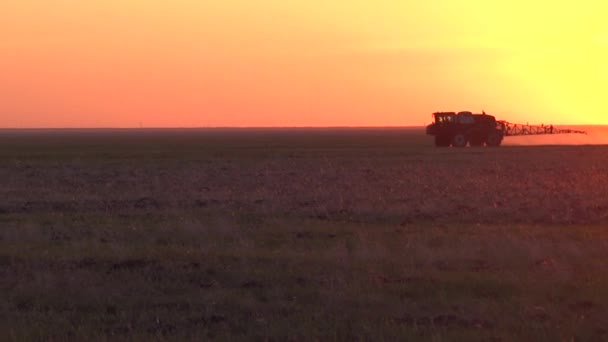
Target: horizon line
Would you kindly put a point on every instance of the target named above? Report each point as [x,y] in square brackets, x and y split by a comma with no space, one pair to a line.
[200,127]
[234,127]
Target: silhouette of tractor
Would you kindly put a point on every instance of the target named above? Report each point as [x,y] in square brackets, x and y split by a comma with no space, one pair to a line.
[462,128]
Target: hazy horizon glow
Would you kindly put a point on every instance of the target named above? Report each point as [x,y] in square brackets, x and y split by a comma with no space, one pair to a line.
[191,63]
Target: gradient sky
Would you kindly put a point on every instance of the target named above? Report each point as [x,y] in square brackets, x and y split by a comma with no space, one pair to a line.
[179,63]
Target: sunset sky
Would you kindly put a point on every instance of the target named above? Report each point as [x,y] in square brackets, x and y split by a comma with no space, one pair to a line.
[183,63]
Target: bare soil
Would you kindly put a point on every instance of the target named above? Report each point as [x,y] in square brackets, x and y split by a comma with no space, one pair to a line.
[270,234]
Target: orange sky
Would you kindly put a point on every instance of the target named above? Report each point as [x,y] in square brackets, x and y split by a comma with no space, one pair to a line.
[126,63]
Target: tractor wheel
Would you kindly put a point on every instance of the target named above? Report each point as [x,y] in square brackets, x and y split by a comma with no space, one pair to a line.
[442,141]
[494,139]
[459,140]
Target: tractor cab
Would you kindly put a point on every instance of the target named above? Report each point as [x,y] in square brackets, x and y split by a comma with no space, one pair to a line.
[449,120]
[465,118]
[444,117]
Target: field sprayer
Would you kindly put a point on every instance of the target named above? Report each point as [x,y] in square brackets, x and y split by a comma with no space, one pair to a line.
[462,128]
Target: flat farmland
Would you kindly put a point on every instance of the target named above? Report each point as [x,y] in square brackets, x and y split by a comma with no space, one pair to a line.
[299,234]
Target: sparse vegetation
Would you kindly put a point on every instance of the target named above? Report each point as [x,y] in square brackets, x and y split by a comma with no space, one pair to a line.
[297,235]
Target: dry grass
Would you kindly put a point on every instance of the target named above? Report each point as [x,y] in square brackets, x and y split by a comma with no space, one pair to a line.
[299,235]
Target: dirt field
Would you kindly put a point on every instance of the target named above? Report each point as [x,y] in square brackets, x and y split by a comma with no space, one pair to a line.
[327,234]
